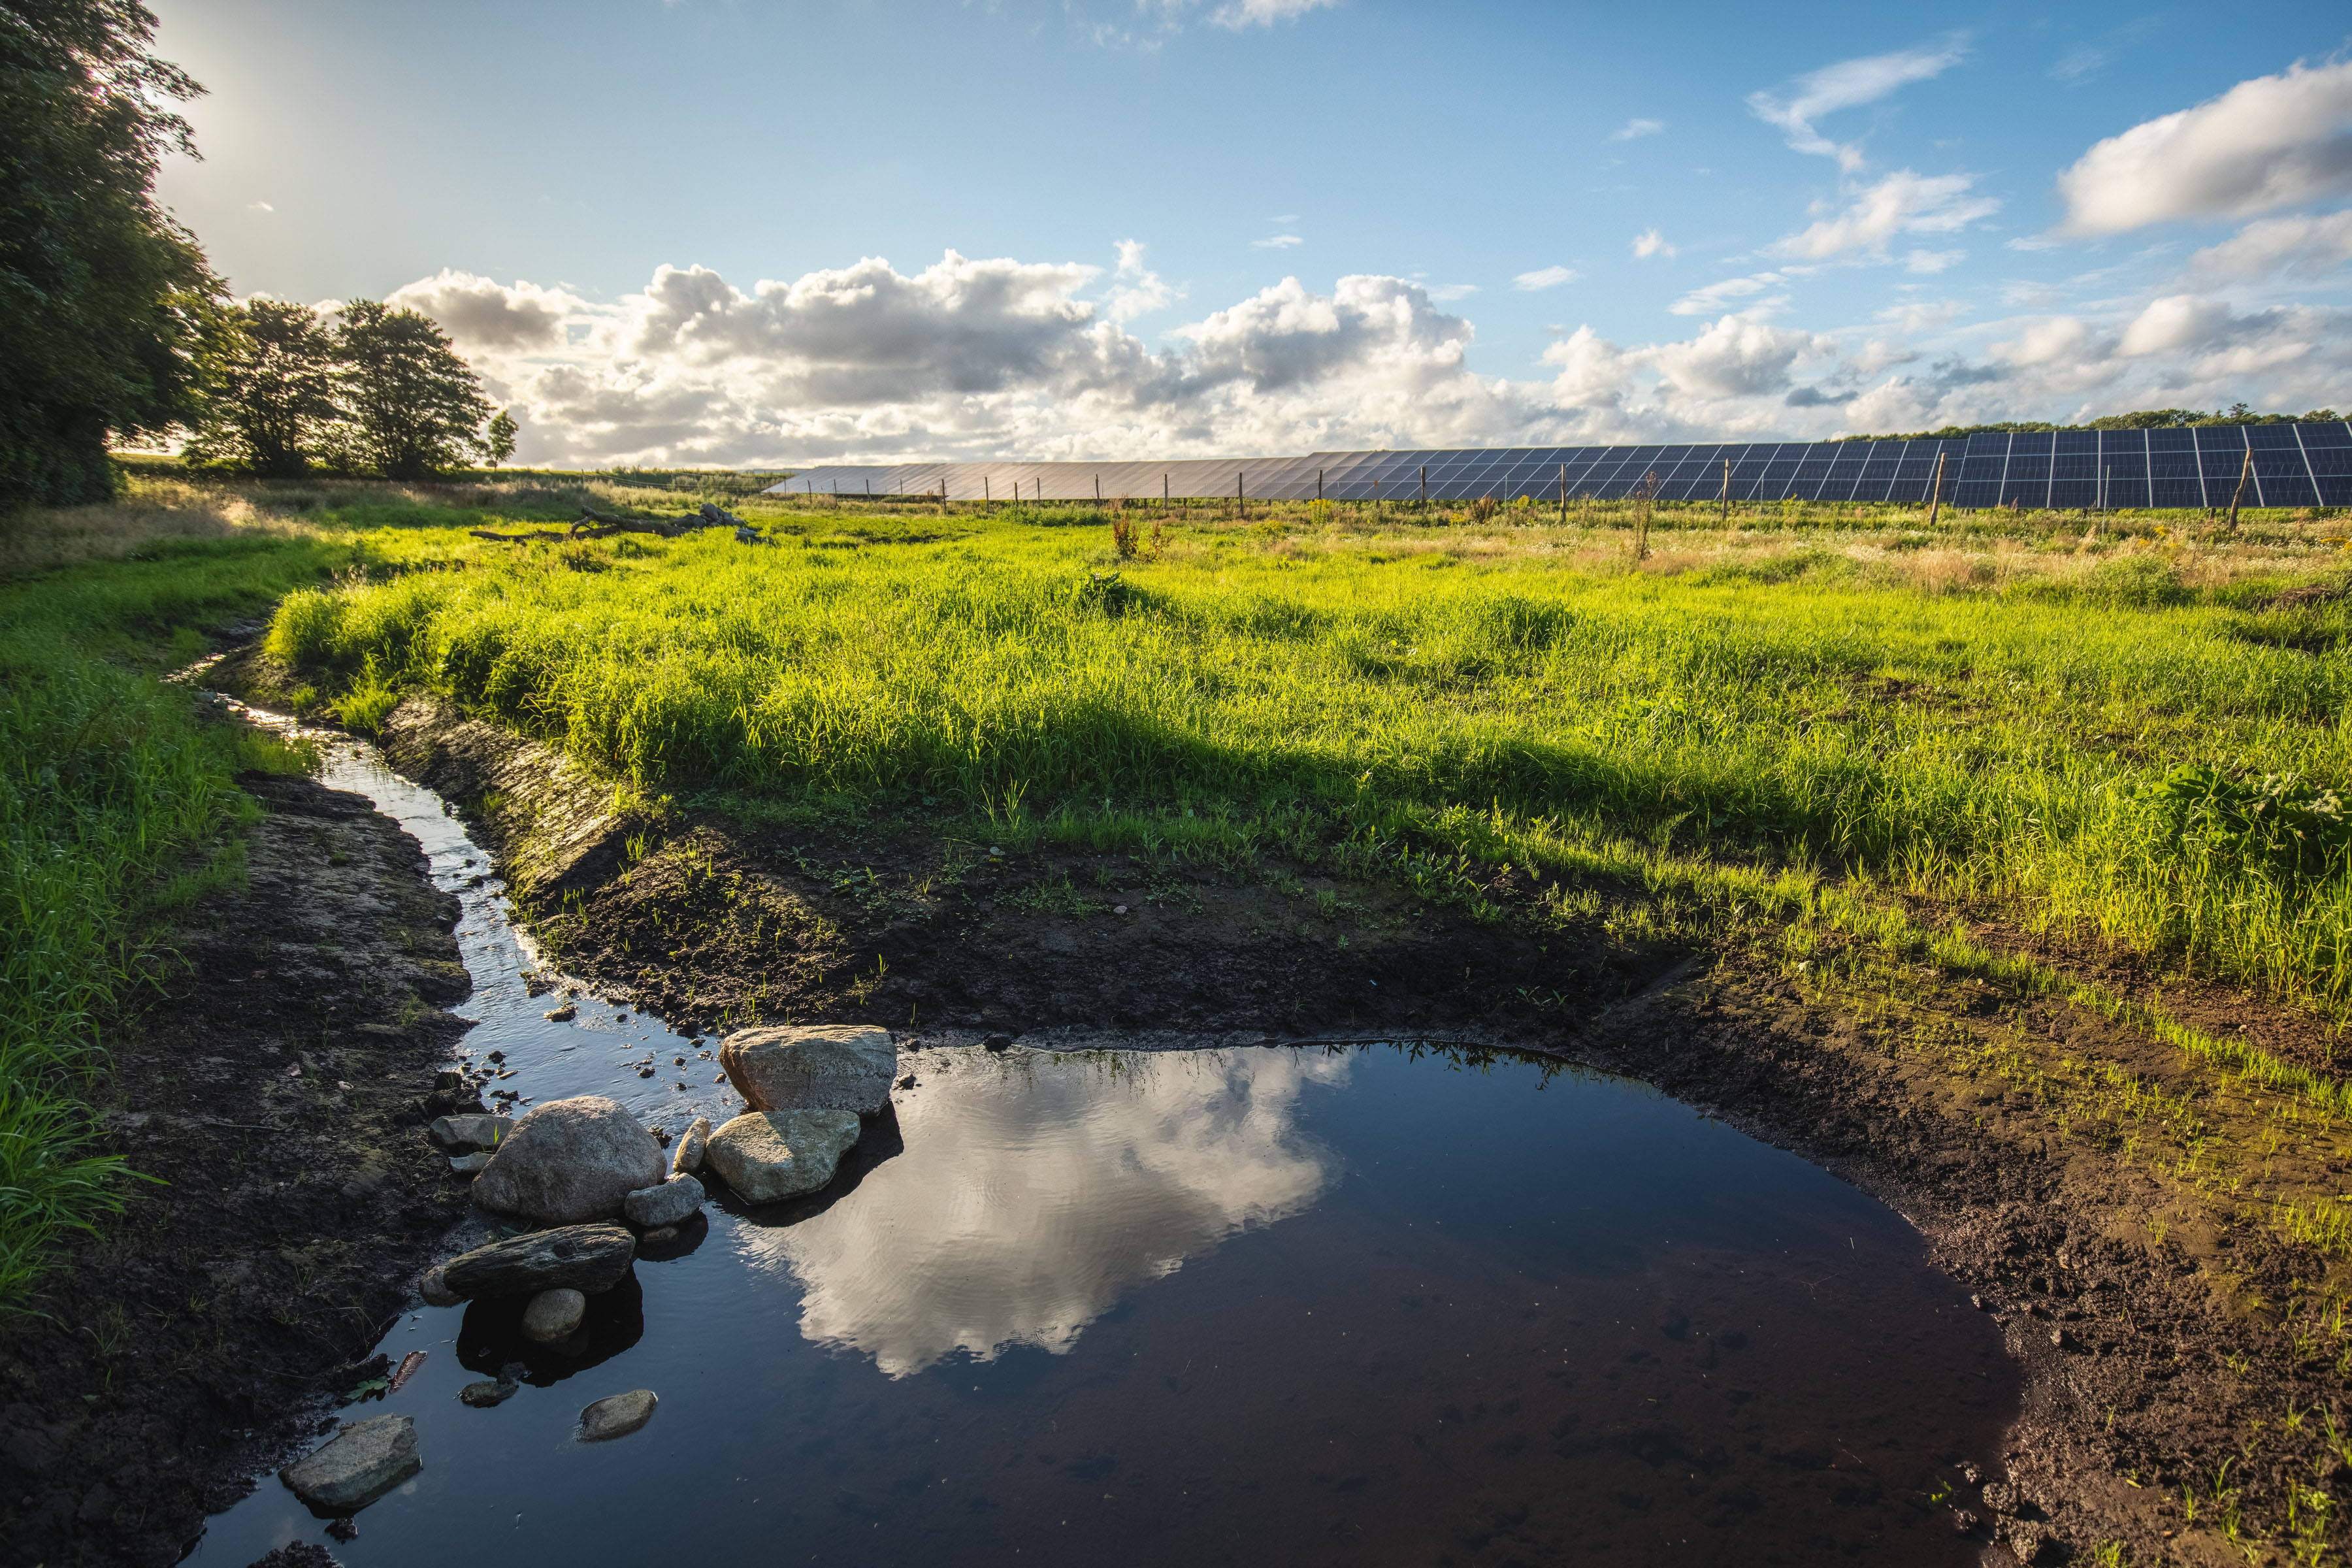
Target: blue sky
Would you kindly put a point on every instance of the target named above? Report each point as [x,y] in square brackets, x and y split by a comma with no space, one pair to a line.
[700,231]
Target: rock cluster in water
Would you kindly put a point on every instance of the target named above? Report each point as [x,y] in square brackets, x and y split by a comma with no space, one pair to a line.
[576,1165]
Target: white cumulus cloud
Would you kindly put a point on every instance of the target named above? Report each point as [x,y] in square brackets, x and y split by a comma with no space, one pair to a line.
[2279,249]
[2272,141]
[997,357]
[1545,277]
[1649,242]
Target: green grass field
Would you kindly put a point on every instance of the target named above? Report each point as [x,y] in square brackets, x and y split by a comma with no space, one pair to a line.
[2113,730]
[2126,738]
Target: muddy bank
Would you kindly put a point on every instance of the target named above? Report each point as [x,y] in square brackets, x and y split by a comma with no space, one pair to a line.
[272,1089]
[2182,1383]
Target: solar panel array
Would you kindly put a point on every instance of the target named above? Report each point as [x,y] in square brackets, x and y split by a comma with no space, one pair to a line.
[2307,464]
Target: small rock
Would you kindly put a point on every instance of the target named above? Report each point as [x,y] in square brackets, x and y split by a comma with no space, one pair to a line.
[344,1528]
[2064,1341]
[997,1043]
[570,1160]
[824,1067]
[358,1464]
[617,1417]
[449,1080]
[655,1237]
[1118,909]
[686,1158]
[563,1014]
[465,1135]
[906,1082]
[436,1290]
[671,1202]
[485,1394]
[552,1315]
[1976,1300]
[297,1555]
[766,1155]
[588,1257]
[469,1164]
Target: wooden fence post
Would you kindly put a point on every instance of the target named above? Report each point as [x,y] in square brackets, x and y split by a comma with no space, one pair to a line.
[2245,476]
[1935,492]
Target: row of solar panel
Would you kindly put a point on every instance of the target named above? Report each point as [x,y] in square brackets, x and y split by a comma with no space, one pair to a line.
[2280,465]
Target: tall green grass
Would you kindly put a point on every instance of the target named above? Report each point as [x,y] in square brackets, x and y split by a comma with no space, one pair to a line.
[2023,747]
[117,805]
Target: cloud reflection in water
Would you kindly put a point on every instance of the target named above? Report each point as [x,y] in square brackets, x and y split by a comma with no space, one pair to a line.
[1036,1189]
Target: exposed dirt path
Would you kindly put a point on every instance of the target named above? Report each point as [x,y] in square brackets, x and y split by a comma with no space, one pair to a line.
[274,1092]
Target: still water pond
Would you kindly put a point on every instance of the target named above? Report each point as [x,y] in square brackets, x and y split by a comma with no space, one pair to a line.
[1264,1305]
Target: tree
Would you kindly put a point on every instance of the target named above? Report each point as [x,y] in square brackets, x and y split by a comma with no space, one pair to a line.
[412,407]
[102,297]
[501,438]
[269,390]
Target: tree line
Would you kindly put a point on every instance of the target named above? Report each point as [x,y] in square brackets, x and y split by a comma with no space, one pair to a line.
[281,390]
[114,329]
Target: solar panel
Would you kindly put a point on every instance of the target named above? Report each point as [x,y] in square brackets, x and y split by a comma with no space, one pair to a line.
[2293,465]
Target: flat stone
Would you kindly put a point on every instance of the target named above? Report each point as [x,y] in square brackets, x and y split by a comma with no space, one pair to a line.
[571,1160]
[358,1464]
[766,1155]
[554,1315]
[587,1258]
[472,1165]
[486,1393]
[617,1417]
[464,1134]
[673,1202]
[686,1158]
[821,1067]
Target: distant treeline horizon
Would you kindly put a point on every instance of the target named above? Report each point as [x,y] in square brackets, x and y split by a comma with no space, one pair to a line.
[2146,419]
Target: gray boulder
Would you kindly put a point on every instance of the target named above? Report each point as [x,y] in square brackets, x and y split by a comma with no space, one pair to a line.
[766,1155]
[570,1160]
[823,1067]
[465,1135]
[553,1314]
[436,1289]
[358,1464]
[586,1258]
[617,1417]
[686,1158]
[672,1202]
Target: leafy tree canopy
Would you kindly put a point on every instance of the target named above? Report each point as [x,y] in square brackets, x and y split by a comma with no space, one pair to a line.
[412,407]
[102,296]
[269,390]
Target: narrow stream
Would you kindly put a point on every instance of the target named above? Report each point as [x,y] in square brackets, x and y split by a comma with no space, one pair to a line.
[1273,1306]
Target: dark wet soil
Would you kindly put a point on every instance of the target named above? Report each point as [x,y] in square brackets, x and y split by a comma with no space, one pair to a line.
[272,1091]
